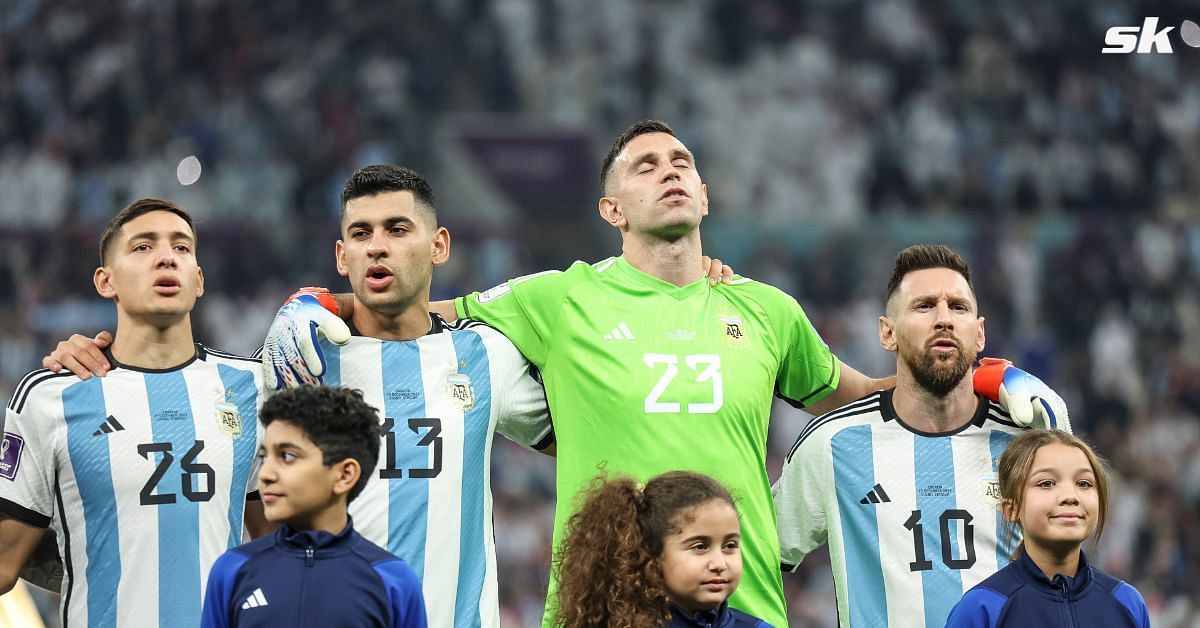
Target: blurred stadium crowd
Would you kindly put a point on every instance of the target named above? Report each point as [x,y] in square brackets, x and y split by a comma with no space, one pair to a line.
[831,134]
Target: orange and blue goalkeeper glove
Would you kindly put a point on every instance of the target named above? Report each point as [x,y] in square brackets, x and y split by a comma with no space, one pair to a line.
[292,354]
[1027,399]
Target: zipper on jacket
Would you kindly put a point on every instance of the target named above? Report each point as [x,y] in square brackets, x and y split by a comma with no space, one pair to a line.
[1068,616]
[308,562]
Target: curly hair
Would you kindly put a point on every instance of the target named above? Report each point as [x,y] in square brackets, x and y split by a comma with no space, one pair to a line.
[608,568]
[337,420]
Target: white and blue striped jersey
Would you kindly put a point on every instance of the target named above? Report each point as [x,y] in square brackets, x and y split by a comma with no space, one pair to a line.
[440,398]
[912,519]
[143,475]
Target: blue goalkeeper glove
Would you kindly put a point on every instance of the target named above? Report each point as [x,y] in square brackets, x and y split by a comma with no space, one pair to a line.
[292,354]
[1027,399]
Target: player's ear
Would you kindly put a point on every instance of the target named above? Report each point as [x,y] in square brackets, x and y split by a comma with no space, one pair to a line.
[1009,510]
[347,473]
[982,339]
[887,333]
[703,199]
[102,279]
[339,253]
[610,211]
[199,282]
[441,246]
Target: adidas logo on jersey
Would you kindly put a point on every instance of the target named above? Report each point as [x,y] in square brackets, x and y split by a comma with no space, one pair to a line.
[255,600]
[875,496]
[110,425]
[620,332]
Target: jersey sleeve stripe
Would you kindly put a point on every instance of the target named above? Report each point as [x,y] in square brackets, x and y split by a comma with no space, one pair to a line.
[546,440]
[465,323]
[603,264]
[17,403]
[21,513]
[997,414]
[828,385]
[870,402]
[26,378]
[68,567]
[231,356]
[863,406]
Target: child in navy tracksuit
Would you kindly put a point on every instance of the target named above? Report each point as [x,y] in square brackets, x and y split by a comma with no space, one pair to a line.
[667,555]
[1053,487]
[319,447]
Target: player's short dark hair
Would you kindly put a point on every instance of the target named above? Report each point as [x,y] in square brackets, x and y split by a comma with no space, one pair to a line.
[379,179]
[337,420]
[623,140]
[134,210]
[923,256]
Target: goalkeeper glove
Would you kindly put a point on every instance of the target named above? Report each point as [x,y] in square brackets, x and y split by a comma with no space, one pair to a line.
[292,354]
[1027,399]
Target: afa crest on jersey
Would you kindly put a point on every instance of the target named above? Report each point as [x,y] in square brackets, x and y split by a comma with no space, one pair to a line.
[461,392]
[734,329]
[991,490]
[229,419]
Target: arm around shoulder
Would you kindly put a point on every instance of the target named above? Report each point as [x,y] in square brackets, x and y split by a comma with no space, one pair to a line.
[851,386]
[445,309]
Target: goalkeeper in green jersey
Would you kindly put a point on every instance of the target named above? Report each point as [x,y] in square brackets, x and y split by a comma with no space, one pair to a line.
[649,369]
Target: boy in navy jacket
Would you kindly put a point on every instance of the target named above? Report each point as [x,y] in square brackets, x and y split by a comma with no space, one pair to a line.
[320,446]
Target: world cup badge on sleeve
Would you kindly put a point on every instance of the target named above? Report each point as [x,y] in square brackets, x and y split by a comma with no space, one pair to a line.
[461,392]
[10,455]
[229,419]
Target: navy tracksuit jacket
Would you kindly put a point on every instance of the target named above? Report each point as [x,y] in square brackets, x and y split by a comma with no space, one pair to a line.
[1020,595]
[723,617]
[312,578]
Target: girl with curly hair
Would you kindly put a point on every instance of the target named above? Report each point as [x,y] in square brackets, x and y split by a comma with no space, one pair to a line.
[667,554]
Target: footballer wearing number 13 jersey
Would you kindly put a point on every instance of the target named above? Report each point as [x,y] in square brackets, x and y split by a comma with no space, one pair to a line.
[644,377]
[440,398]
[144,476]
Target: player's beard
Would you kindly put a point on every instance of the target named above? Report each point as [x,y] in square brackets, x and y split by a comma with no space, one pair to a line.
[938,375]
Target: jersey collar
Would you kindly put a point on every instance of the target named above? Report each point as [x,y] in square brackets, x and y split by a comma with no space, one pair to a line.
[888,411]
[622,269]
[199,355]
[437,325]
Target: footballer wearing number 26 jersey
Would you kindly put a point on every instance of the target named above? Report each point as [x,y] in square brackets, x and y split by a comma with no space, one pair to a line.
[144,476]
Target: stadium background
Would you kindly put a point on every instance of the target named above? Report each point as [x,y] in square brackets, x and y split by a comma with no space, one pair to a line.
[831,133]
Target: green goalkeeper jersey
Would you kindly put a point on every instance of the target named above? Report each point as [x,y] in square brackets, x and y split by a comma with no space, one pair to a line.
[644,377]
